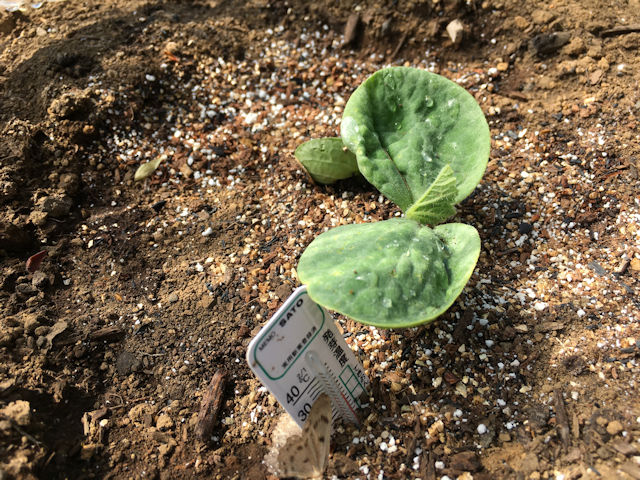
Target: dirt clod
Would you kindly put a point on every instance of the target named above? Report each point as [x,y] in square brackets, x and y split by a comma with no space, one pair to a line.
[614,427]
[547,43]
[19,412]
[55,205]
[75,104]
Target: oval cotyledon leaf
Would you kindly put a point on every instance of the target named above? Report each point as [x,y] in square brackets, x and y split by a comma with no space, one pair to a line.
[405,125]
[327,160]
[391,274]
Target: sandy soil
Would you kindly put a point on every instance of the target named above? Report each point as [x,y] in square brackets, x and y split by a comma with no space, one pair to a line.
[148,289]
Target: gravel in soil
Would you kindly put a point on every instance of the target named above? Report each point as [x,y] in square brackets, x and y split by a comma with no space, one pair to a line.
[149,288]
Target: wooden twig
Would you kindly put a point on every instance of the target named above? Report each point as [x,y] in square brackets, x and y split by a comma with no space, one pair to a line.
[105,334]
[514,95]
[411,445]
[575,427]
[17,428]
[210,406]
[400,44]
[427,466]
[561,418]
[621,30]
[110,333]
[508,251]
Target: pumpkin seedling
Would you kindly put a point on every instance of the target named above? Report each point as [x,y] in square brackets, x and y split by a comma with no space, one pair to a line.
[423,142]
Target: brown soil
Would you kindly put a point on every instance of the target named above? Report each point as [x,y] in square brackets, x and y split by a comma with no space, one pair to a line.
[149,288]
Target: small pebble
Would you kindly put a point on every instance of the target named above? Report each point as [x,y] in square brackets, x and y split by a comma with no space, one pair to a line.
[614,427]
[525,228]
[540,306]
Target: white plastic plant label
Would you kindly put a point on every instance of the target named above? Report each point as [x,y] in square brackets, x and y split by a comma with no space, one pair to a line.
[299,354]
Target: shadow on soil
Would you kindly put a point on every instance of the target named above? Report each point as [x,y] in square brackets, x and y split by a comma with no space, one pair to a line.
[58,426]
[87,50]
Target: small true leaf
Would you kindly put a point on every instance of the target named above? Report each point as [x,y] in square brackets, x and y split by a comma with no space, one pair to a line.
[394,273]
[405,125]
[327,160]
[436,205]
[146,169]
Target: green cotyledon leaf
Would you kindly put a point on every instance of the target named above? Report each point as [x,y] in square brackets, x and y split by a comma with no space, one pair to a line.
[391,274]
[405,125]
[436,205]
[327,160]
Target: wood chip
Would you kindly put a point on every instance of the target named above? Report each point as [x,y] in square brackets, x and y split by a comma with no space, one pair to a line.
[622,269]
[210,406]
[427,467]
[624,447]
[631,468]
[107,334]
[351,29]
[596,76]
[561,418]
[575,427]
[56,330]
[549,327]
[467,461]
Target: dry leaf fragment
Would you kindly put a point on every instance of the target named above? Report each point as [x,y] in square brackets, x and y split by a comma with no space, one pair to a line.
[34,261]
[56,330]
[302,453]
[455,30]
[146,169]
